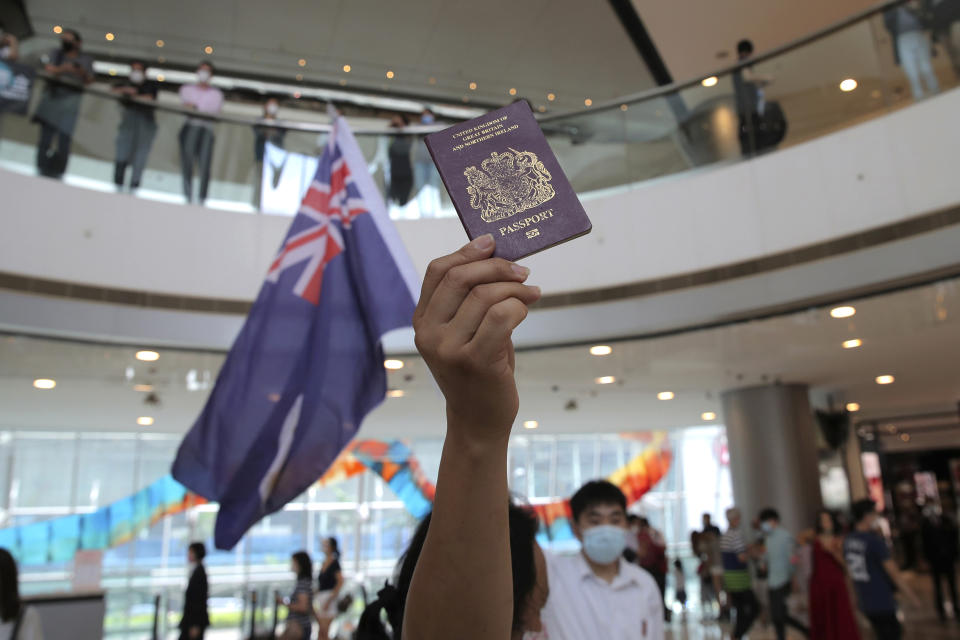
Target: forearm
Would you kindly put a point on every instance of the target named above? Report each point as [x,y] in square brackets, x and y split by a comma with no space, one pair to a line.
[462,587]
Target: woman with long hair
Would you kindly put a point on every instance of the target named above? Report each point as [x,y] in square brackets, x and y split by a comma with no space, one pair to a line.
[329,583]
[17,621]
[300,603]
[831,614]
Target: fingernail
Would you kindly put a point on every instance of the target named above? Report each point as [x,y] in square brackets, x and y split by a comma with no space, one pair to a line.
[537,289]
[523,272]
[483,242]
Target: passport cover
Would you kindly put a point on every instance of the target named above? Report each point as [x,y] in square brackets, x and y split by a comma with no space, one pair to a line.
[505,180]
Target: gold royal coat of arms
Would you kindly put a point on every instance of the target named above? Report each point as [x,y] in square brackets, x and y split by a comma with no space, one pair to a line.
[507,184]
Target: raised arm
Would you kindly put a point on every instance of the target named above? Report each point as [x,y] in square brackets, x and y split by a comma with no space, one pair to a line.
[469,306]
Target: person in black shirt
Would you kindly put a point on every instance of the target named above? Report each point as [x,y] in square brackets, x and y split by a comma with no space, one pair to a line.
[138,126]
[941,548]
[195,619]
[329,583]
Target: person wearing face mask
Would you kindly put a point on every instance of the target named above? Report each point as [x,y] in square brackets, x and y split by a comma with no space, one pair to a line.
[262,134]
[779,553]
[426,180]
[195,619]
[876,577]
[595,593]
[60,105]
[138,125]
[196,136]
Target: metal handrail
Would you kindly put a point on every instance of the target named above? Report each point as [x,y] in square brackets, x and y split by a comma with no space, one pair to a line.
[419,130]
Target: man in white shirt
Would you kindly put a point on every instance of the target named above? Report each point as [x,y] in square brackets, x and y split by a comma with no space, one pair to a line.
[596,593]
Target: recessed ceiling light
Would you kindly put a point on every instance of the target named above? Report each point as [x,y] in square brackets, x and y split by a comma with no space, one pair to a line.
[161,77]
[44,383]
[710,82]
[848,85]
[143,387]
[624,107]
[842,312]
[396,393]
[109,36]
[853,407]
[605,380]
[473,86]
[852,343]
[905,437]
[586,102]
[389,74]
[302,62]
[432,80]
[58,29]
[144,421]
[208,49]
[541,108]
[148,356]
[885,379]
[346,68]
[160,43]
[708,415]
[393,364]
[601,350]
[665,395]
[531,424]
[512,91]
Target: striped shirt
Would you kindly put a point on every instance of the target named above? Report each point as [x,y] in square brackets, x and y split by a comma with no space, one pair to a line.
[301,619]
[736,574]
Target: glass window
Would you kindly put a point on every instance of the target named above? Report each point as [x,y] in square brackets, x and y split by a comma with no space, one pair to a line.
[43,470]
[105,469]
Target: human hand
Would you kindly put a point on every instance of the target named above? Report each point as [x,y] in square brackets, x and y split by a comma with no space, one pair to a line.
[194,632]
[469,306]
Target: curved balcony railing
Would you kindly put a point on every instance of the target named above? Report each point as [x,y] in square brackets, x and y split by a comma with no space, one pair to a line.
[835,78]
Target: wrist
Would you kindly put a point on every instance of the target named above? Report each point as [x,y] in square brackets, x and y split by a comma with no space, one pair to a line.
[475,435]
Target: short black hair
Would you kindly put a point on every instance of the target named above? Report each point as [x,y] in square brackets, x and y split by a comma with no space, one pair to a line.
[304,565]
[861,509]
[769,514]
[199,550]
[834,520]
[9,587]
[632,517]
[207,64]
[745,46]
[596,492]
[76,34]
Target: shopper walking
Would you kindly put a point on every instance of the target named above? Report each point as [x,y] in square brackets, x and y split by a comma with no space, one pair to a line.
[831,613]
[195,618]
[736,575]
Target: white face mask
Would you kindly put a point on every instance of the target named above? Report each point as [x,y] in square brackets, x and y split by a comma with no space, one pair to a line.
[272,108]
[136,76]
[203,76]
[604,543]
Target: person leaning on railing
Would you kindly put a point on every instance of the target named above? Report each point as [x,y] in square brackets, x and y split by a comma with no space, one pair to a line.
[138,126]
[196,136]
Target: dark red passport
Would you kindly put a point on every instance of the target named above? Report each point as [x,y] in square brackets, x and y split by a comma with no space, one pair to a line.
[504,180]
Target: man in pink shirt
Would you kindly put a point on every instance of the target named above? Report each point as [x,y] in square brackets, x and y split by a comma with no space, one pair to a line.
[196,136]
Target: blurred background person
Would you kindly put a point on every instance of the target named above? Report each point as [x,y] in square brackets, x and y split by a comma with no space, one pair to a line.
[875,575]
[779,553]
[300,603]
[944,15]
[329,584]
[426,180]
[762,123]
[401,168]
[736,575]
[831,613]
[263,133]
[633,544]
[60,103]
[9,45]
[652,556]
[17,621]
[138,125]
[940,548]
[680,584]
[195,618]
[706,544]
[907,24]
[196,136]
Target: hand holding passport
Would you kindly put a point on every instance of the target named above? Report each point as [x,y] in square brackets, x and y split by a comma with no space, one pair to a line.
[504,180]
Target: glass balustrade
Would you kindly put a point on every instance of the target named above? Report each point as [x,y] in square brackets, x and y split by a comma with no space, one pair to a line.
[836,78]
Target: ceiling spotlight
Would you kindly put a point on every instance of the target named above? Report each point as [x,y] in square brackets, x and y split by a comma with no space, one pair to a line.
[885,379]
[842,312]
[586,102]
[541,109]
[905,437]
[848,85]
[601,350]
[346,68]
[208,49]
[605,380]
[302,62]
[710,82]
[853,407]
[146,388]
[473,86]
[44,383]
[665,395]
[389,74]
[432,80]
[624,107]
[393,365]
[148,356]
[161,77]
[58,29]
[531,424]
[144,421]
[109,36]
[708,415]
[396,393]
[160,43]
[852,344]
[512,91]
